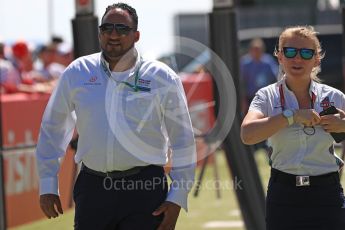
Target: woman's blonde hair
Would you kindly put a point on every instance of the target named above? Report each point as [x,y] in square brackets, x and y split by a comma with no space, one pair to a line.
[305,32]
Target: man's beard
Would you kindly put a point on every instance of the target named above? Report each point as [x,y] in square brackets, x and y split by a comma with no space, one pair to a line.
[123,61]
[117,53]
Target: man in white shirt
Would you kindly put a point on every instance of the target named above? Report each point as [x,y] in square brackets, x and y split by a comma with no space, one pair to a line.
[127,112]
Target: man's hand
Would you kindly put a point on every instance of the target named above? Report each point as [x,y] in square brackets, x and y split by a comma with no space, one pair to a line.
[51,205]
[171,212]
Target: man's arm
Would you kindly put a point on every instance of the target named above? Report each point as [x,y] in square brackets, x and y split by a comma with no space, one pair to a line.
[55,133]
[182,143]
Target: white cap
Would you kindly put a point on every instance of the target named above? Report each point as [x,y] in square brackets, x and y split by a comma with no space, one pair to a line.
[64,48]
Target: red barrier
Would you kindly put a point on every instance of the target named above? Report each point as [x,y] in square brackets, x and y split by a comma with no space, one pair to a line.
[199,92]
[21,117]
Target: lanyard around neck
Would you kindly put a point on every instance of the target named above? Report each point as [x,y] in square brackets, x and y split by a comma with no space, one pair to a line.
[136,77]
[134,86]
[282,98]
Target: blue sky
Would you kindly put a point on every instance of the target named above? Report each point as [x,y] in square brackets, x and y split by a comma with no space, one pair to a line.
[31,20]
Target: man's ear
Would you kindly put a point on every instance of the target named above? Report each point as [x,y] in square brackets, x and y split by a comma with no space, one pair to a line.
[137,36]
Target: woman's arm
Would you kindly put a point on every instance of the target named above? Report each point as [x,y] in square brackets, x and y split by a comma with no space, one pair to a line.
[256,127]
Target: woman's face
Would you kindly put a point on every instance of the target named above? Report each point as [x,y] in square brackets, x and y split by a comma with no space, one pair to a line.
[297,67]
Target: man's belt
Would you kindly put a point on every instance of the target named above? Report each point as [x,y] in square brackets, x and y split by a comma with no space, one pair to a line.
[114,174]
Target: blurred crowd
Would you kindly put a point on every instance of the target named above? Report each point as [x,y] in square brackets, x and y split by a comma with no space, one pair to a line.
[24,68]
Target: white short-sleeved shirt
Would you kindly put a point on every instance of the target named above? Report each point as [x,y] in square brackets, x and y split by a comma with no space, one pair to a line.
[291,150]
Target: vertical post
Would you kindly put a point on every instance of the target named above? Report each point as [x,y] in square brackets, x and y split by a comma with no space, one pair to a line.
[85,29]
[2,195]
[342,2]
[248,186]
[2,179]
[50,17]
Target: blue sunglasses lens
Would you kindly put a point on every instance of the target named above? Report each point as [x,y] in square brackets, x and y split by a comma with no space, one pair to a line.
[290,52]
[306,53]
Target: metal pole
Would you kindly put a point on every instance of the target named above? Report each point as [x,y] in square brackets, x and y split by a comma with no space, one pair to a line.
[50,17]
[2,179]
[247,182]
[343,40]
[246,179]
[201,176]
[2,195]
[342,2]
[85,29]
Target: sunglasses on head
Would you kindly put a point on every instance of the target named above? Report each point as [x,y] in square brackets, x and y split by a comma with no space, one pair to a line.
[291,52]
[121,29]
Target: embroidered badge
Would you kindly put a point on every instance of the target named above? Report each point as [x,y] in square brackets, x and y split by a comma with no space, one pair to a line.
[325,103]
[144,83]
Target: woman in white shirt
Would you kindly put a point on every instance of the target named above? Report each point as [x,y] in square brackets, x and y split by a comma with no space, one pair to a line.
[304,191]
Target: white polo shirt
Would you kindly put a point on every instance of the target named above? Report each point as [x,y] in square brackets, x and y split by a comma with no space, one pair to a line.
[118,127]
[291,150]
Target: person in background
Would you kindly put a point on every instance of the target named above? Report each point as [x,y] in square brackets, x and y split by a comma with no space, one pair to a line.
[2,50]
[64,54]
[304,190]
[56,40]
[22,59]
[128,111]
[50,69]
[9,76]
[257,69]
[16,72]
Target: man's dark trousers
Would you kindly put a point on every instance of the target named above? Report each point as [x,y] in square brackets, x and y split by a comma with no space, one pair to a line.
[119,204]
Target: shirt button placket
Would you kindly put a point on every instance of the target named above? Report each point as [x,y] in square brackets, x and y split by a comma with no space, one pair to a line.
[110,138]
[303,142]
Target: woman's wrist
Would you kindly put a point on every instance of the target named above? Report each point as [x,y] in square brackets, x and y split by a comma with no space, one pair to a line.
[296,117]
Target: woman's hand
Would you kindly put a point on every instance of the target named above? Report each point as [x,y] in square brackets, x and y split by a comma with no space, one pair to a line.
[341,113]
[334,123]
[306,117]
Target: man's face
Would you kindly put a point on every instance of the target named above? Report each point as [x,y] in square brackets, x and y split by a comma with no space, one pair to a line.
[256,52]
[114,44]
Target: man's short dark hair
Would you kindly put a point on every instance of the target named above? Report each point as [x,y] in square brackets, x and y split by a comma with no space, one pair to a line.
[126,7]
[56,39]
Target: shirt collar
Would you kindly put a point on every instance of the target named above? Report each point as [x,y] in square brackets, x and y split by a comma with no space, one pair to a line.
[105,65]
[312,87]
